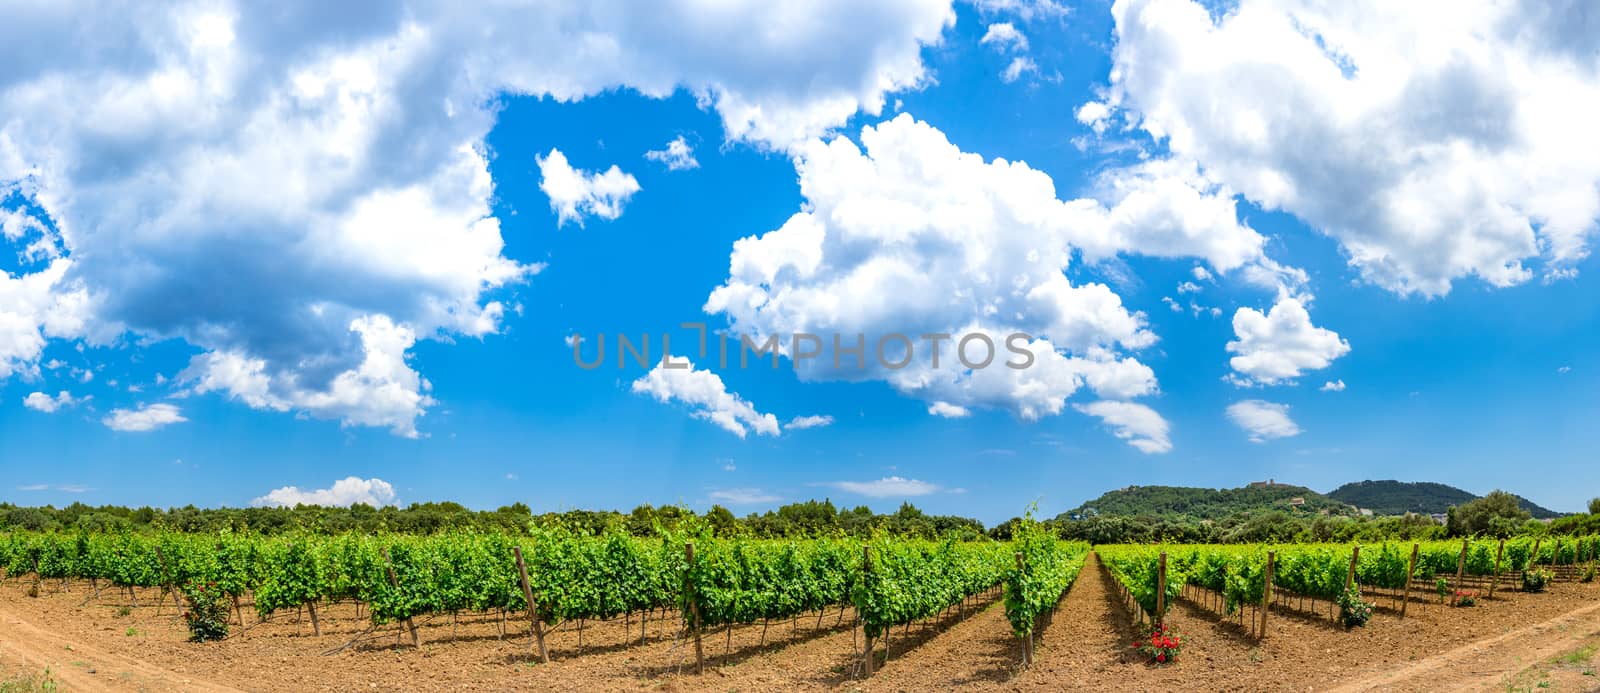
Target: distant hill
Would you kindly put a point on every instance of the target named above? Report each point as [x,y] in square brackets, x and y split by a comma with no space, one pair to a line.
[1426,497]
[1208,503]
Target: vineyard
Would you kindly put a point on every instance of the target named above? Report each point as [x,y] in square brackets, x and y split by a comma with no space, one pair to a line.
[695,590]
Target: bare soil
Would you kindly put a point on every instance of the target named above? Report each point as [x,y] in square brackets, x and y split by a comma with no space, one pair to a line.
[105,643]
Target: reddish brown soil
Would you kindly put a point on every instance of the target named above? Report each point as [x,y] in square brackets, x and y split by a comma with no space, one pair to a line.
[91,646]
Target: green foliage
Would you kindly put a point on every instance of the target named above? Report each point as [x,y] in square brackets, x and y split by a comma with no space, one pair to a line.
[1138,569]
[1535,580]
[207,615]
[1353,611]
[1047,569]
[1498,514]
[910,580]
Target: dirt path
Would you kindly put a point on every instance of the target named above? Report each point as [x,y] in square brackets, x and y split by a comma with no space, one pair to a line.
[1483,665]
[81,666]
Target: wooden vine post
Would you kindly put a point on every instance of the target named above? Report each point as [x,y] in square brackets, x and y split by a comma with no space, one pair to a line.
[1350,577]
[1498,556]
[1461,571]
[1027,638]
[395,583]
[694,608]
[866,568]
[1533,558]
[1411,572]
[533,609]
[1266,594]
[1161,593]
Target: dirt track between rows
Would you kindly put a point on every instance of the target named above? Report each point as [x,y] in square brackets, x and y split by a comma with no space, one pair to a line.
[103,644]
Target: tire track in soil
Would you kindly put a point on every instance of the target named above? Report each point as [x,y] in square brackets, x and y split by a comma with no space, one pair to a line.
[1481,665]
[79,666]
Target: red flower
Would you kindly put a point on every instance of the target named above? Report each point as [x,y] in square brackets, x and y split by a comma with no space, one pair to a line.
[1161,658]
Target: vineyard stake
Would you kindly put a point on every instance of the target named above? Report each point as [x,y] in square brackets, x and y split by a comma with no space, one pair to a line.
[395,583]
[1410,573]
[1498,554]
[1461,570]
[1161,593]
[1027,638]
[1533,559]
[1355,557]
[315,628]
[694,608]
[866,568]
[527,596]
[1266,594]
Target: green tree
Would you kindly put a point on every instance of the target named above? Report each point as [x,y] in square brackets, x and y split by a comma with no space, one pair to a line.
[1594,506]
[1479,516]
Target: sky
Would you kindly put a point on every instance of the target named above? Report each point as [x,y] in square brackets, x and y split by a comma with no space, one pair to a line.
[361,253]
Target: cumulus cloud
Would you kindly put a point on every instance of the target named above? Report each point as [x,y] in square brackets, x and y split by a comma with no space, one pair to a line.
[382,390]
[743,496]
[252,180]
[804,422]
[1263,420]
[344,492]
[905,233]
[39,401]
[887,487]
[1281,344]
[1333,386]
[677,155]
[146,418]
[1431,143]
[948,410]
[1136,423]
[1019,66]
[576,193]
[677,380]
[1004,37]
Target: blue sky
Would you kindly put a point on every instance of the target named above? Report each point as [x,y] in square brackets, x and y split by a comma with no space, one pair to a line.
[1259,241]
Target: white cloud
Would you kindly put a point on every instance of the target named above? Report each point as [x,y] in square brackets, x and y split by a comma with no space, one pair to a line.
[1564,370]
[34,487]
[344,492]
[1281,344]
[1027,10]
[707,397]
[39,401]
[948,410]
[907,234]
[804,422]
[1433,142]
[251,179]
[677,155]
[1201,274]
[743,496]
[1263,420]
[575,193]
[887,487]
[382,390]
[1136,423]
[1004,38]
[1020,65]
[1333,386]
[35,307]
[147,418]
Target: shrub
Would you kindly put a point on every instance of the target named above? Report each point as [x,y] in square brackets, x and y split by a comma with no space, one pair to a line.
[1535,580]
[1587,575]
[1161,645]
[1466,598]
[1442,586]
[1353,611]
[208,614]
